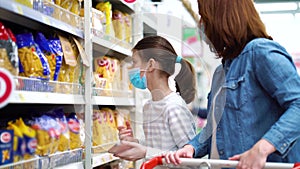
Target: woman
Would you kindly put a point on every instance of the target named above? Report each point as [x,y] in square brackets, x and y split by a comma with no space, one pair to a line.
[254,103]
[167,122]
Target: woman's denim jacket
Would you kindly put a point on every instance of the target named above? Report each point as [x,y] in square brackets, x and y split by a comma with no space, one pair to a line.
[254,96]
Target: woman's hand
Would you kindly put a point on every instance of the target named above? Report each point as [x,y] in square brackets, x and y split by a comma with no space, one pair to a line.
[126,133]
[174,157]
[256,157]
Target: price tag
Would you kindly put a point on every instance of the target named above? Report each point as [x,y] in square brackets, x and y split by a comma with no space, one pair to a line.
[18,9]
[46,20]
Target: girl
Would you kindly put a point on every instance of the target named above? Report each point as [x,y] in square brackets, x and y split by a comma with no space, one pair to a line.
[167,122]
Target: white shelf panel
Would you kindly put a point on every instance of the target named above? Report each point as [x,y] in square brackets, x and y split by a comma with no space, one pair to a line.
[103,158]
[78,165]
[123,6]
[110,47]
[118,101]
[45,98]
[18,13]
[150,19]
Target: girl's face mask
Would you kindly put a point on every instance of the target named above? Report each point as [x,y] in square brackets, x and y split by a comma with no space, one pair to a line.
[135,78]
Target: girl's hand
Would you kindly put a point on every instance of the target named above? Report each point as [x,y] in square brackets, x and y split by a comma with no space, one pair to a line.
[174,157]
[126,133]
[256,157]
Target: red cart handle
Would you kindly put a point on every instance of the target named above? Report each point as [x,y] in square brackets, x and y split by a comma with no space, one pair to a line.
[152,163]
[159,160]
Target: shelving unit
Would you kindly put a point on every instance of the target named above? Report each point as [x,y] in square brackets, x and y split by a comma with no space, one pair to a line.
[35,20]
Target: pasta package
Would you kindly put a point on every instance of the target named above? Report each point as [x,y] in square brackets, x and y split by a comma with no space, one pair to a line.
[118,24]
[128,27]
[19,143]
[53,61]
[106,8]
[6,146]
[8,51]
[64,138]
[30,140]
[47,134]
[33,62]
[97,128]
[74,127]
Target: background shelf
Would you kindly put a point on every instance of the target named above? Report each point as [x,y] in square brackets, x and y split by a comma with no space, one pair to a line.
[25,16]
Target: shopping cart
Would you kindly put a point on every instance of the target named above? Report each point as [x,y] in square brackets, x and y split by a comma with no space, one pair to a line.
[211,163]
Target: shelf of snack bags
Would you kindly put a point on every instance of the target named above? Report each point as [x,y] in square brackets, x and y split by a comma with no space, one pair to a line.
[53,16]
[41,139]
[105,133]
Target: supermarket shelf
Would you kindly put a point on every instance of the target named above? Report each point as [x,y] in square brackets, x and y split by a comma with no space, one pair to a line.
[107,46]
[19,163]
[78,165]
[20,14]
[46,98]
[118,101]
[122,6]
[103,158]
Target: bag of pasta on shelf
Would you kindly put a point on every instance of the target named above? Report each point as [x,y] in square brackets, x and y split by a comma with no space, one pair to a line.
[102,67]
[30,140]
[8,51]
[64,137]
[97,128]
[69,68]
[118,21]
[53,61]
[55,47]
[74,128]
[19,142]
[128,27]
[47,135]
[33,62]
[106,8]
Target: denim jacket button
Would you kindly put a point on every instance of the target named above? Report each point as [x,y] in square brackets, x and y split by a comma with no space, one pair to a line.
[284,144]
[221,152]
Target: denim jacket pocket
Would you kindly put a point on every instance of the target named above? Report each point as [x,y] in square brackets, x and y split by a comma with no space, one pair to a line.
[236,92]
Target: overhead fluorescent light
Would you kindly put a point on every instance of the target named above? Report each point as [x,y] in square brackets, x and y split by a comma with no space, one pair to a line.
[266,7]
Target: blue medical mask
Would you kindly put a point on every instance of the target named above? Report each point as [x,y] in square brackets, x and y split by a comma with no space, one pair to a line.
[136,80]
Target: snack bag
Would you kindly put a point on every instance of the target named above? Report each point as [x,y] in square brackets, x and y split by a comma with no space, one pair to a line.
[74,127]
[33,62]
[8,51]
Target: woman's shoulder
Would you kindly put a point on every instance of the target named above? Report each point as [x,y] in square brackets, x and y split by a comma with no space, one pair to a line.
[263,44]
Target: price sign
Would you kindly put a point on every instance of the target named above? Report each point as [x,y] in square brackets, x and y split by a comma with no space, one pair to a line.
[6,87]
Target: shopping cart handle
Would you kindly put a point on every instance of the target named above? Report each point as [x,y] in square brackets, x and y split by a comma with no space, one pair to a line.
[212,162]
[296,166]
[153,162]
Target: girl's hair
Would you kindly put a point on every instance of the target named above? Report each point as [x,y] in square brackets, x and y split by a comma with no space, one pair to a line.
[159,49]
[230,25]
